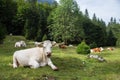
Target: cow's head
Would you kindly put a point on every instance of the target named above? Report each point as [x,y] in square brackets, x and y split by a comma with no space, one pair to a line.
[47,45]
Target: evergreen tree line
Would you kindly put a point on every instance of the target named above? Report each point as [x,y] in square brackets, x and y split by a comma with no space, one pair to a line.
[63,22]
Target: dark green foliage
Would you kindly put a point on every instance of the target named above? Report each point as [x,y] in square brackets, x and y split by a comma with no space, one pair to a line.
[115,28]
[18,24]
[36,21]
[93,33]
[101,35]
[93,45]
[8,9]
[32,21]
[2,33]
[111,39]
[19,19]
[44,37]
[83,48]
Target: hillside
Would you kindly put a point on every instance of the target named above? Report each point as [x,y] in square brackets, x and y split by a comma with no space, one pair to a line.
[72,66]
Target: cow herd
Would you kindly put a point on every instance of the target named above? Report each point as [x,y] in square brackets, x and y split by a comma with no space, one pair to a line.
[100,49]
[40,55]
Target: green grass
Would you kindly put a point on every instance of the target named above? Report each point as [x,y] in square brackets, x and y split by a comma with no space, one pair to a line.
[70,64]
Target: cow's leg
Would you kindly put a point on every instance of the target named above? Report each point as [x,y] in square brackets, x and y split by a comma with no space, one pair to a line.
[15,62]
[51,64]
[34,64]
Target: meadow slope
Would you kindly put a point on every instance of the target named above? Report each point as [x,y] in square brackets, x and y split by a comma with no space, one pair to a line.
[72,66]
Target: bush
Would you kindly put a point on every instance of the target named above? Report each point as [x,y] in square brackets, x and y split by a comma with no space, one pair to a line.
[83,48]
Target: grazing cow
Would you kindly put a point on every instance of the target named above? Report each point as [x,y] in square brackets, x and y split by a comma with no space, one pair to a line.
[20,44]
[34,57]
[96,50]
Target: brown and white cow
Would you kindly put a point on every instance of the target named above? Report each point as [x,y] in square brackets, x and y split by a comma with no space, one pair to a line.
[110,48]
[96,50]
[62,46]
[34,57]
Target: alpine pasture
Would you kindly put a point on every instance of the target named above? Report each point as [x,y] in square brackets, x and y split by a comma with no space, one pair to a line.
[72,66]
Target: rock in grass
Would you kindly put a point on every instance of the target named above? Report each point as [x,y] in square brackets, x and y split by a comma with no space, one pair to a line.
[99,58]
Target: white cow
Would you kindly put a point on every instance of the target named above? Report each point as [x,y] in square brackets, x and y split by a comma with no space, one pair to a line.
[34,57]
[20,44]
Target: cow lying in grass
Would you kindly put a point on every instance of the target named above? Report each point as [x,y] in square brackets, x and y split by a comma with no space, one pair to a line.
[34,57]
[20,44]
[110,48]
[96,50]
[62,46]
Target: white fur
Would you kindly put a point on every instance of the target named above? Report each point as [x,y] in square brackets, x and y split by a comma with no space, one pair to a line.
[20,44]
[33,57]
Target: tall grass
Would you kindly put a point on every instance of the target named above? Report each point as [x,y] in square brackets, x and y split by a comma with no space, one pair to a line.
[72,66]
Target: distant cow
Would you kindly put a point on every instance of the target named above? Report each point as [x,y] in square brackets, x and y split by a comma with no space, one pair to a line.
[20,44]
[62,46]
[96,50]
[110,48]
[34,57]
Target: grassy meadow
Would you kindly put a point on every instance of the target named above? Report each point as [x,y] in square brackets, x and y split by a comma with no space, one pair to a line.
[72,66]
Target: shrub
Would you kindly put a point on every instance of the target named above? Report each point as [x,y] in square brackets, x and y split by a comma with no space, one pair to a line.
[83,48]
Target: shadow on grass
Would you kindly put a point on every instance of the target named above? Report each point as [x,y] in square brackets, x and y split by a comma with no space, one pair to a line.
[76,69]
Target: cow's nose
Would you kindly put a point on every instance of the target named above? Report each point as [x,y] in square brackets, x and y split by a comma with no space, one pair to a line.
[48,54]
